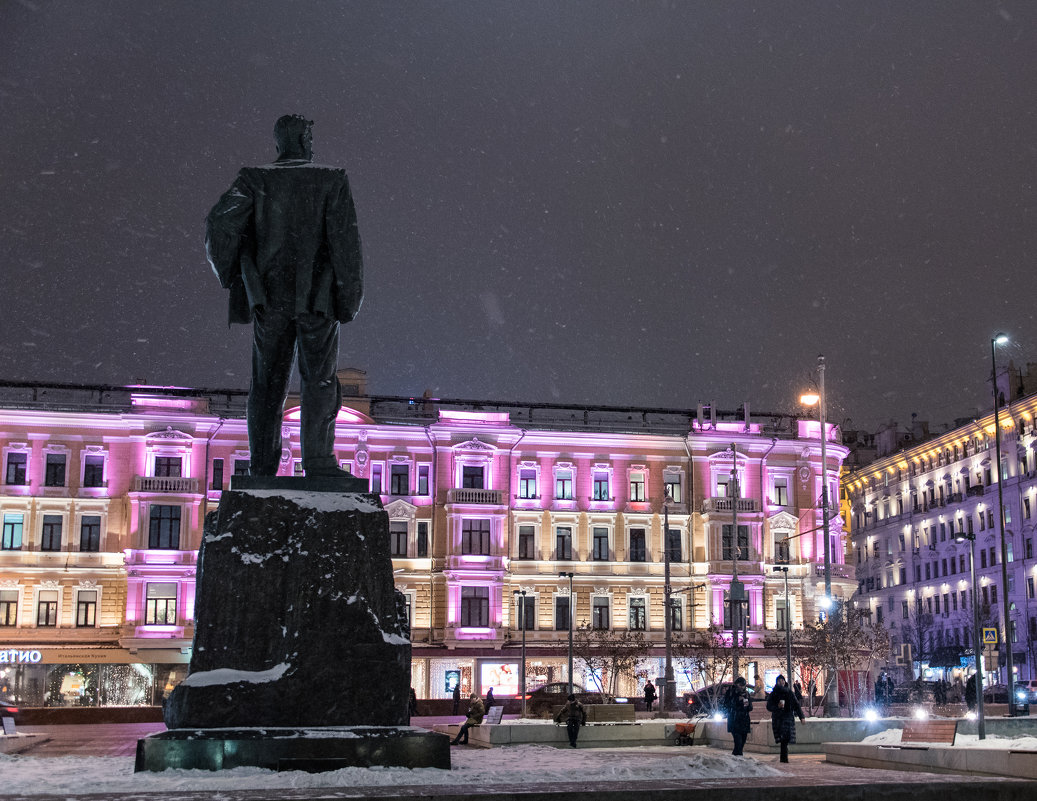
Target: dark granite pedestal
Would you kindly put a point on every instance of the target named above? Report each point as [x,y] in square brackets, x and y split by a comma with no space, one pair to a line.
[311,750]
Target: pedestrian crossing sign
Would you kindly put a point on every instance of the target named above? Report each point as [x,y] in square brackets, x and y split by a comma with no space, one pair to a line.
[989,636]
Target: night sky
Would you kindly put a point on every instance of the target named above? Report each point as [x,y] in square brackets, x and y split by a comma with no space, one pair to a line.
[628,203]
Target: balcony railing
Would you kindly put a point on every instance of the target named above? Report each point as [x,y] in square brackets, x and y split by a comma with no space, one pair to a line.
[713,505]
[481,496]
[166,484]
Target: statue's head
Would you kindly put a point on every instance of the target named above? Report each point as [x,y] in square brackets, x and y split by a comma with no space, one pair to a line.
[293,135]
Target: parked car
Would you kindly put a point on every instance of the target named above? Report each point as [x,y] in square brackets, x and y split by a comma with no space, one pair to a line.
[707,700]
[543,700]
[995,694]
[1030,688]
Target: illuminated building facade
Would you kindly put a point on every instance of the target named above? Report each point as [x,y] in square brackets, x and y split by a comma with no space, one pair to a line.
[906,509]
[106,488]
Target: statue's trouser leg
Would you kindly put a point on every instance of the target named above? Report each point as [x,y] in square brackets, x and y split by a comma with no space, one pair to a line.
[321,391]
[273,351]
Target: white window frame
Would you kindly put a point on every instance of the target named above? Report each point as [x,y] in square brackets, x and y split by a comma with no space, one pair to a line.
[86,586]
[47,586]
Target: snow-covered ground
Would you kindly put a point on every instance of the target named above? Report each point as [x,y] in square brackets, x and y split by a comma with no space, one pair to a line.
[525,764]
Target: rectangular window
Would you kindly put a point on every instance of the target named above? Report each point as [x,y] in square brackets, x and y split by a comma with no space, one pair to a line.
[600,613]
[564,544]
[472,477]
[164,527]
[1026,508]
[475,537]
[16,468]
[93,471]
[242,467]
[12,536]
[963,599]
[601,545]
[676,615]
[398,538]
[399,479]
[982,559]
[728,547]
[51,533]
[562,613]
[1029,587]
[475,606]
[376,479]
[601,486]
[47,608]
[422,544]
[961,563]
[527,483]
[564,485]
[993,593]
[423,477]
[904,609]
[54,470]
[8,607]
[527,617]
[722,482]
[672,487]
[638,551]
[993,556]
[160,604]
[638,615]
[780,614]
[90,534]
[168,466]
[781,492]
[217,474]
[673,544]
[86,608]
[527,542]
[637,487]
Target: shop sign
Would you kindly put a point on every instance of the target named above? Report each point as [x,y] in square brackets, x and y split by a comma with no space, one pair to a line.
[12,656]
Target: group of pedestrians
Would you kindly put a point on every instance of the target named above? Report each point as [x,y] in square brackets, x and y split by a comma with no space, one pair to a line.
[782,703]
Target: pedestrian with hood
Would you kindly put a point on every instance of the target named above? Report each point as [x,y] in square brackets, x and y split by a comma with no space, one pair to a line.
[476,710]
[784,709]
[739,704]
[457,697]
[574,716]
[489,699]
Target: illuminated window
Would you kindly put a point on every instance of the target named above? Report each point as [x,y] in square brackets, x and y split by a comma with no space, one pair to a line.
[600,613]
[638,615]
[423,479]
[47,608]
[672,486]
[12,534]
[527,483]
[564,485]
[601,486]
[781,491]
[160,604]
[637,487]
[86,608]
[475,606]
[9,607]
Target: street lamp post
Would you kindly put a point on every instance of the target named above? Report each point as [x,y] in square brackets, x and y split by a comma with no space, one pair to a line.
[977,632]
[735,592]
[520,597]
[572,603]
[668,679]
[788,621]
[1000,339]
[832,690]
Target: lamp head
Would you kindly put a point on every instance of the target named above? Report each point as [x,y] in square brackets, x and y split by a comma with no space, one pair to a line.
[810,399]
[1000,338]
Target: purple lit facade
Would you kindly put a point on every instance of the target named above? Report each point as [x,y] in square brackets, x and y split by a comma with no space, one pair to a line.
[483,500]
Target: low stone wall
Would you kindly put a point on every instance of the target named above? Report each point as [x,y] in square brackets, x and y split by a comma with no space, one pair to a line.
[19,743]
[593,735]
[936,759]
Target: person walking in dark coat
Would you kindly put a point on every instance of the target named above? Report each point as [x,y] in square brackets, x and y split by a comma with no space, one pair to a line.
[970,693]
[649,695]
[784,709]
[739,704]
[412,704]
[489,699]
[457,698]
[574,716]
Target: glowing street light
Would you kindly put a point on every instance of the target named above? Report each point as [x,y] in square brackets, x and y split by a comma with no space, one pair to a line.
[1001,339]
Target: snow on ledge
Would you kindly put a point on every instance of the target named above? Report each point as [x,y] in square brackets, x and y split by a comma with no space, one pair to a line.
[319,501]
[230,676]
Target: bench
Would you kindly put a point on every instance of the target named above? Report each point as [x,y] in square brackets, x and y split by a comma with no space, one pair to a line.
[610,713]
[929,731]
[684,733]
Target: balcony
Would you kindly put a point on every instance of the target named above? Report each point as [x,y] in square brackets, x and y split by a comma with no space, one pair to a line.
[718,505]
[177,484]
[486,497]
[837,571]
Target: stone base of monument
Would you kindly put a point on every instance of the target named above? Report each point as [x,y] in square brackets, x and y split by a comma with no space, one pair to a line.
[309,749]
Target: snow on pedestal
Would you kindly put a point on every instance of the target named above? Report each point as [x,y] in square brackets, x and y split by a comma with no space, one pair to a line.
[298,620]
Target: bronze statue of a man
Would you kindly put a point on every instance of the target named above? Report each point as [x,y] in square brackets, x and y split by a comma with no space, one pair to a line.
[284,240]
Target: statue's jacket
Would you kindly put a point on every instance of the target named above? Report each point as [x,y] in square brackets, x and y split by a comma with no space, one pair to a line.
[285,236]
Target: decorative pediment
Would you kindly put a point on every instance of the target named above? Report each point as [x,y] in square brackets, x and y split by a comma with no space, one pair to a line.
[475,446]
[401,510]
[784,521]
[50,585]
[169,434]
[86,584]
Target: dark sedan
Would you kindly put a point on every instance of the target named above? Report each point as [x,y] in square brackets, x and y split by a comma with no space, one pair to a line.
[544,700]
